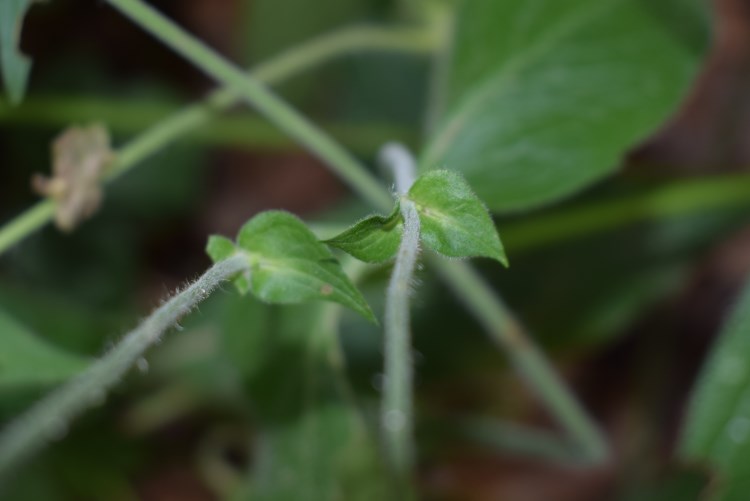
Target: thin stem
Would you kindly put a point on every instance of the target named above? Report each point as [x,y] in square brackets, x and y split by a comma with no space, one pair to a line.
[256,94]
[49,419]
[397,406]
[245,130]
[25,224]
[528,361]
[293,61]
[674,199]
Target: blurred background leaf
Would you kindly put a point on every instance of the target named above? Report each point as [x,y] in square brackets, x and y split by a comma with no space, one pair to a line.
[717,426]
[545,97]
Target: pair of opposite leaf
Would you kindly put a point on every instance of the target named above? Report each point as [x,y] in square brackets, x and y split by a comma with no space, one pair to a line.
[288,264]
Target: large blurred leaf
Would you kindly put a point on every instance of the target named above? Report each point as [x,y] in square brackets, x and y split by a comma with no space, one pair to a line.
[546,95]
[27,361]
[14,65]
[313,443]
[718,421]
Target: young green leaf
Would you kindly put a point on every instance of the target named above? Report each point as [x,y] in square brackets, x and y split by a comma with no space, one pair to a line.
[14,65]
[374,239]
[27,361]
[454,222]
[288,264]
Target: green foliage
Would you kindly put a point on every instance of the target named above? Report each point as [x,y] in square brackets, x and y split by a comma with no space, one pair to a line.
[287,264]
[14,65]
[26,361]
[454,222]
[717,429]
[545,97]
[374,239]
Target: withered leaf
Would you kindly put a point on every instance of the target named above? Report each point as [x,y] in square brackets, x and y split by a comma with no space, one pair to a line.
[80,156]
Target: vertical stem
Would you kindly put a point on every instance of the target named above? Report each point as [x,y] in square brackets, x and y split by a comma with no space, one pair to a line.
[50,417]
[397,407]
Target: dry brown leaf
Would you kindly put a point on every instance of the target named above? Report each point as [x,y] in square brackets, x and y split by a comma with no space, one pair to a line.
[80,156]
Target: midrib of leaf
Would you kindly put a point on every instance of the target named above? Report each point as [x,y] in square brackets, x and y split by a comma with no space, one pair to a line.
[433,213]
[281,267]
[495,81]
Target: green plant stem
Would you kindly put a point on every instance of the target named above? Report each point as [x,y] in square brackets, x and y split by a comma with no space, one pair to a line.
[25,224]
[675,199]
[256,94]
[245,130]
[178,125]
[528,361]
[397,406]
[50,417]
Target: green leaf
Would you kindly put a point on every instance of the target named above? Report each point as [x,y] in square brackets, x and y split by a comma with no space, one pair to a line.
[26,360]
[454,222]
[374,239]
[545,97]
[14,65]
[718,420]
[288,264]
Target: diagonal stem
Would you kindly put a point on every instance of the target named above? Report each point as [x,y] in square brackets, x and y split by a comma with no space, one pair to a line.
[260,97]
[50,417]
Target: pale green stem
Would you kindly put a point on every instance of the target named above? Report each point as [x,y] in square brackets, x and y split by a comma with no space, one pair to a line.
[25,224]
[49,419]
[528,361]
[256,94]
[397,417]
[293,61]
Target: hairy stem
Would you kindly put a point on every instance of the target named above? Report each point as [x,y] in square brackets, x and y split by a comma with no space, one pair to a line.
[180,124]
[50,417]
[525,357]
[397,407]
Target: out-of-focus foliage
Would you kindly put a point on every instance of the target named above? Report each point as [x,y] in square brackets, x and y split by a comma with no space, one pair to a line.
[28,361]
[545,97]
[717,428]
